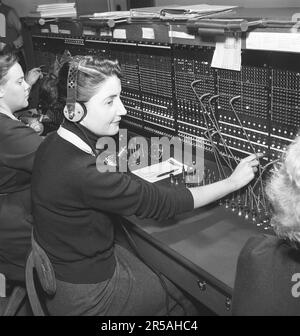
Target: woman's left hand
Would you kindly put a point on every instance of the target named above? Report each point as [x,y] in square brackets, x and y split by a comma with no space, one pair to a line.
[36,125]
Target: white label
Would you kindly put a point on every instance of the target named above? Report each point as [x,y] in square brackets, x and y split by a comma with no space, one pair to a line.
[65,31]
[89,32]
[182,35]
[54,29]
[289,42]
[45,30]
[106,33]
[148,33]
[119,34]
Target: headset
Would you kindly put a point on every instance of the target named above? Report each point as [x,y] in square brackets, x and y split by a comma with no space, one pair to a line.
[74,111]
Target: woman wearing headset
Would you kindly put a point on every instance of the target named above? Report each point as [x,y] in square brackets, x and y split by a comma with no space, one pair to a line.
[75,205]
[18,144]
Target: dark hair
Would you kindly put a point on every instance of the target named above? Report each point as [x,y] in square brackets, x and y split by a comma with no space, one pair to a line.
[49,103]
[7,60]
[92,72]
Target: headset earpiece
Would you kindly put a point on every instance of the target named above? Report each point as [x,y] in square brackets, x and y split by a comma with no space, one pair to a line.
[74,111]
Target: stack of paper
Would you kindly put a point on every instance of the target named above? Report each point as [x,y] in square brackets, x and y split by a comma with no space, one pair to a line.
[112,15]
[180,12]
[66,9]
[195,9]
[117,15]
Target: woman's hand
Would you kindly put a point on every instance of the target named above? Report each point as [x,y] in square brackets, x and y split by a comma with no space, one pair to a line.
[242,175]
[36,125]
[244,172]
[33,76]
[18,42]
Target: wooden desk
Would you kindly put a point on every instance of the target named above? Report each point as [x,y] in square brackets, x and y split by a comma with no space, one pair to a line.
[198,251]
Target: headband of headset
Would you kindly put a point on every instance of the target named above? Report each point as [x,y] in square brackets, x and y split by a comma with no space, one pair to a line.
[72,111]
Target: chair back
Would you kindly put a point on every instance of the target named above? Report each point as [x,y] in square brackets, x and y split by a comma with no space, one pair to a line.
[12,303]
[40,278]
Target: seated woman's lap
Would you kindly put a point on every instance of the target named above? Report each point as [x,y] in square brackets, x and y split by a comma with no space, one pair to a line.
[134,290]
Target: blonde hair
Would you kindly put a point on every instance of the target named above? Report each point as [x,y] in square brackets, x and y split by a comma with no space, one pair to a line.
[283,191]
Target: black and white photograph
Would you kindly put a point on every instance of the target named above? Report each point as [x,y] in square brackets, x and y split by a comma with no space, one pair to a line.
[149,161]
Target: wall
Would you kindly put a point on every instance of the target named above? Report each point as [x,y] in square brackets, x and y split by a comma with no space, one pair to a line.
[91,6]
[121,3]
[141,3]
[24,7]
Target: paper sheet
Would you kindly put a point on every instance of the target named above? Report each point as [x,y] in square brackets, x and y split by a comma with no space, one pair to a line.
[160,170]
[112,15]
[288,42]
[227,54]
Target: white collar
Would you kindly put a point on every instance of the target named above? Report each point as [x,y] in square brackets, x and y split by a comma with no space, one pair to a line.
[75,140]
[10,115]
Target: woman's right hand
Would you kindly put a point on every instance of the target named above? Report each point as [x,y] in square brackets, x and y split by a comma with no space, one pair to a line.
[242,175]
[245,171]
[33,76]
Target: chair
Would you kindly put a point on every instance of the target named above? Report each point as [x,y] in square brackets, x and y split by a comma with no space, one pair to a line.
[12,303]
[40,278]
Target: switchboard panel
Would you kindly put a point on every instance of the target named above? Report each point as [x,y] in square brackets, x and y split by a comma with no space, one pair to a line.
[171,90]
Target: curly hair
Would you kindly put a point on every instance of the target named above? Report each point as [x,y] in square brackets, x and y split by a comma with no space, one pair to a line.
[283,191]
[49,102]
[7,60]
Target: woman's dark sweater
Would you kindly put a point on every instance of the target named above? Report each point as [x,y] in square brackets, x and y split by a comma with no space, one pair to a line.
[18,144]
[74,207]
[267,280]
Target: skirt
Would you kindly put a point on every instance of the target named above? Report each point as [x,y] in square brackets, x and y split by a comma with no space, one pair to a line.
[133,290]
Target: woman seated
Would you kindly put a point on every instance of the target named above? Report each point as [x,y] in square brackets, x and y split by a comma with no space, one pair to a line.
[75,206]
[268,271]
[18,144]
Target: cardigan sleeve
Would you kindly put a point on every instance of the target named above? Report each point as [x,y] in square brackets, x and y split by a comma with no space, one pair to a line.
[121,194]
[18,144]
